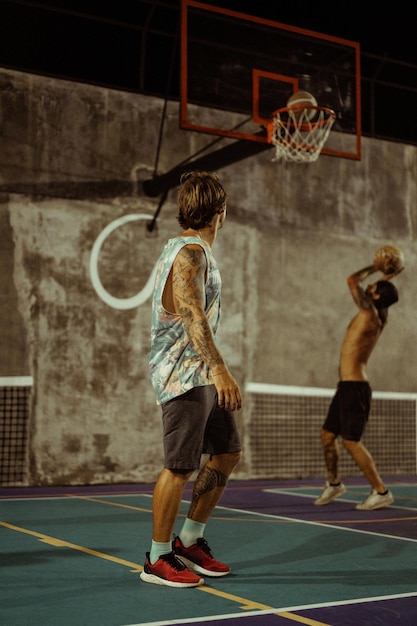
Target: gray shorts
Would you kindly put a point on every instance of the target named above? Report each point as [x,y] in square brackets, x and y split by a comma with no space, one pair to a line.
[193,425]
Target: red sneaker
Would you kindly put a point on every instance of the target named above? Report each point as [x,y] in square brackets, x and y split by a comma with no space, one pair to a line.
[168,570]
[200,558]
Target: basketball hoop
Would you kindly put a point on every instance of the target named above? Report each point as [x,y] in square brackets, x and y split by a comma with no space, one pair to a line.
[300,132]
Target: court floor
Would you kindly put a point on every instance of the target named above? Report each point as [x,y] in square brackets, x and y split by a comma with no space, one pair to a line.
[72,557]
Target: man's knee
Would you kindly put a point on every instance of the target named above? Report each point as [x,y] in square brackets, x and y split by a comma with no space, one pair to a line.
[226,462]
[236,457]
[327,438]
[178,475]
[350,444]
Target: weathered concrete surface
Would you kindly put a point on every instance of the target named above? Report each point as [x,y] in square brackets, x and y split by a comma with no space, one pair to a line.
[73,158]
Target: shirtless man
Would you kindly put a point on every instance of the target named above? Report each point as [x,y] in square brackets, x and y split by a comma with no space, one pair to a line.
[349,409]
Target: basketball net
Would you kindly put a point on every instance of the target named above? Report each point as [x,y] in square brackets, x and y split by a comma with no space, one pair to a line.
[298,138]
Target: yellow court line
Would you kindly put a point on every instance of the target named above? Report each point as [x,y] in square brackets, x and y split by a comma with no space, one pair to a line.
[137,508]
[118,504]
[217,518]
[251,519]
[136,568]
[249,605]
[372,521]
[301,620]
[59,543]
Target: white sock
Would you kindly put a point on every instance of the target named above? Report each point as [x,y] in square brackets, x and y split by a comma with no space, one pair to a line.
[190,532]
[159,548]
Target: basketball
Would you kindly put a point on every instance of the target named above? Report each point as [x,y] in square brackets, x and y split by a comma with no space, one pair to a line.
[389,259]
[302,99]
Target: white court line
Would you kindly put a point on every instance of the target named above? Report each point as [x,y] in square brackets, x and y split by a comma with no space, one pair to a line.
[340,499]
[241,511]
[296,519]
[345,528]
[245,512]
[272,611]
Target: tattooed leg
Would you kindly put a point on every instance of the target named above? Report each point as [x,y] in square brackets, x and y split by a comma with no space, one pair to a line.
[208,487]
[331,456]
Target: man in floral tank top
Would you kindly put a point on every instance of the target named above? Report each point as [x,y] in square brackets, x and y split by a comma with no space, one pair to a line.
[194,387]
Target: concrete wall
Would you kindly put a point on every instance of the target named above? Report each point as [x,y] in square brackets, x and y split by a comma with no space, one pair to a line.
[73,158]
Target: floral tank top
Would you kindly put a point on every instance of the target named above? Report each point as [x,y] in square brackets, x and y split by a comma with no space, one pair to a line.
[175,367]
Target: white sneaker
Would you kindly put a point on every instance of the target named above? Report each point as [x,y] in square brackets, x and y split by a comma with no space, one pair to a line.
[375,501]
[330,492]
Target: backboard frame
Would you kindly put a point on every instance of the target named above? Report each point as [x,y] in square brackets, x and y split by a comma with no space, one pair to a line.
[259,74]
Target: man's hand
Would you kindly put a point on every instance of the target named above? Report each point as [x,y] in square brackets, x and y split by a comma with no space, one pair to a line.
[228,390]
[392,275]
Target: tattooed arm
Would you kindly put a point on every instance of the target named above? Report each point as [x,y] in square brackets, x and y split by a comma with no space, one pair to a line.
[188,290]
[362,299]
[188,287]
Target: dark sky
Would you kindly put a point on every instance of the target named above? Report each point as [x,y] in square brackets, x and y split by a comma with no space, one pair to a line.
[380,29]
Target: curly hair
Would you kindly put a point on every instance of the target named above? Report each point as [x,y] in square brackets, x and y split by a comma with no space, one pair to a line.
[200,198]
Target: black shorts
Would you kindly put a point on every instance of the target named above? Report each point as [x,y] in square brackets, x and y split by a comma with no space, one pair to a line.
[193,425]
[349,410]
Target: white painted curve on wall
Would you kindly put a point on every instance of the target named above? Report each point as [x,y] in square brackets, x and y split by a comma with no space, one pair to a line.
[122,304]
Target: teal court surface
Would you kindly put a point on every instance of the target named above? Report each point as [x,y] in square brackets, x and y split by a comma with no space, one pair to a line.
[72,557]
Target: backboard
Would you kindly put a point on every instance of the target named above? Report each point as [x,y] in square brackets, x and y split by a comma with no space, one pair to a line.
[237,69]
